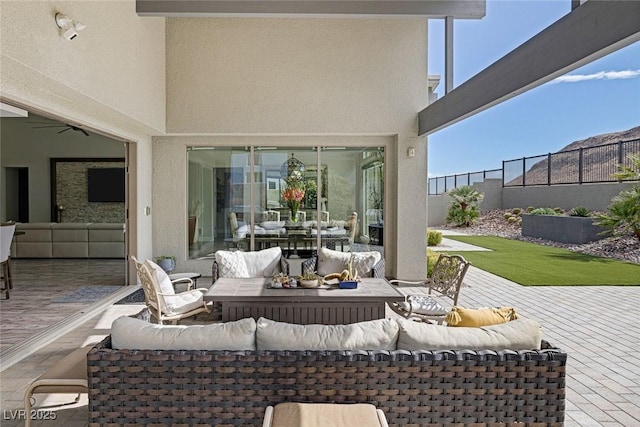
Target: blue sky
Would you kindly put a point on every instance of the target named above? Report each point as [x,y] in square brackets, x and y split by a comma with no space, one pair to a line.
[542,120]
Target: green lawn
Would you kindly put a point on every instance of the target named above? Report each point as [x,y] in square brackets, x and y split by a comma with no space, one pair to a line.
[537,265]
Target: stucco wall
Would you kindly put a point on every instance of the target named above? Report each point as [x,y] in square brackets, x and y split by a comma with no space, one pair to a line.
[111,78]
[118,60]
[596,197]
[307,77]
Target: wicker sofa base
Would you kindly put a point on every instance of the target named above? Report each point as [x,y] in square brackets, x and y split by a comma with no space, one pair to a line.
[417,388]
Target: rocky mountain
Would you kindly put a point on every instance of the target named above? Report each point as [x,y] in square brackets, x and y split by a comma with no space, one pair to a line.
[606,138]
[599,160]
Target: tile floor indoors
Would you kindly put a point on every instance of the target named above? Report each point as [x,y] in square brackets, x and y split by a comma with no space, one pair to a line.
[596,325]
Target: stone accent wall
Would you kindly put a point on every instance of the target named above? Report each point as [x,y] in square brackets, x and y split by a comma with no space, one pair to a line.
[71,193]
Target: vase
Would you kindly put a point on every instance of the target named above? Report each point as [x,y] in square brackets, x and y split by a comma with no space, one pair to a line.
[294,215]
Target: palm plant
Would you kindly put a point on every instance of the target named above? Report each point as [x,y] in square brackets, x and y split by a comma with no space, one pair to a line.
[464,209]
[624,210]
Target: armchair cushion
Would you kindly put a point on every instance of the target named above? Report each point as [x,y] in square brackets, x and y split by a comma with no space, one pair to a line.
[520,334]
[232,264]
[163,280]
[263,263]
[424,304]
[330,261]
[380,334]
[249,264]
[136,334]
[183,302]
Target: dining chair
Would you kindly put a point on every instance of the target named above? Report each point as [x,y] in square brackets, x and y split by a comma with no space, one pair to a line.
[6,236]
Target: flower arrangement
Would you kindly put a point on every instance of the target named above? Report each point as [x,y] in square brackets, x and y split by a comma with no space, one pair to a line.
[293,195]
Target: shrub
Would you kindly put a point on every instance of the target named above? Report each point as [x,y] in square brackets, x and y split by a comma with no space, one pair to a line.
[624,210]
[516,211]
[559,211]
[464,210]
[624,213]
[434,238]
[513,220]
[529,209]
[580,211]
[432,257]
[543,211]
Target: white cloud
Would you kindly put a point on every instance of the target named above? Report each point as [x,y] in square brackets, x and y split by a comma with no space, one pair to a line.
[602,75]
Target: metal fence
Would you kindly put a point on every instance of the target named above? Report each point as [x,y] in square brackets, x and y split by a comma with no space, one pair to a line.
[579,166]
[442,184]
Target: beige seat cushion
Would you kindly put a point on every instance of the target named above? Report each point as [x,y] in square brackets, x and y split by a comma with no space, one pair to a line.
[520,334]
[136,334]
[325,415]
[380,334]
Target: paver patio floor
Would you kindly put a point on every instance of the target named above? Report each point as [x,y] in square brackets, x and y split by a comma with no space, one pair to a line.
[597,326]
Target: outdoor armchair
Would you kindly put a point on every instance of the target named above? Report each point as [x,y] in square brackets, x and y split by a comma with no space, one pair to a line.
[161,298]
[444,283]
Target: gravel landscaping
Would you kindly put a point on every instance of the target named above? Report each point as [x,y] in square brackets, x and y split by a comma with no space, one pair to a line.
[493,223]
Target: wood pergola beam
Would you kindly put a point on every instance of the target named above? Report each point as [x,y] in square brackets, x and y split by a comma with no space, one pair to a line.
[590,31]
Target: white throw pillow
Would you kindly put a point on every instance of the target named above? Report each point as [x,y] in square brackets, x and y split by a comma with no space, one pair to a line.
[519,334]
[136,334]
[273,225]
[162,279]
[264,263]
[231,264]
[330,261]
[381,334]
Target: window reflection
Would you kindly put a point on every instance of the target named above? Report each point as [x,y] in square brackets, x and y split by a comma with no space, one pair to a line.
[243,198]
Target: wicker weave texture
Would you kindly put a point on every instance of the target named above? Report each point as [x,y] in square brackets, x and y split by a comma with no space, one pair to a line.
[221,388]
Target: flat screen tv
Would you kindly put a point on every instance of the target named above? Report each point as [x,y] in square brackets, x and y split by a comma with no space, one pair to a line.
[105,184]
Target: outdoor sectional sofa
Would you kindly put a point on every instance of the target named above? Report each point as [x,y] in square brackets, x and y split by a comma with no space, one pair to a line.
[233,387]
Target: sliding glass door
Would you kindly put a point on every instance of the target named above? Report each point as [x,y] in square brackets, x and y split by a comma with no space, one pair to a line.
[297,198]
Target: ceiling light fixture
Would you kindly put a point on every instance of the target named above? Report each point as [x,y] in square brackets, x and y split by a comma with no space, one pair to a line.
[292,168]
[69,26]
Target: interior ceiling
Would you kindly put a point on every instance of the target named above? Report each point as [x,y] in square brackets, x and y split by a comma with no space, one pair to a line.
[464,9]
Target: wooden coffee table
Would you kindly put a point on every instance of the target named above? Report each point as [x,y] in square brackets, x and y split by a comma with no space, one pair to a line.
[242,298]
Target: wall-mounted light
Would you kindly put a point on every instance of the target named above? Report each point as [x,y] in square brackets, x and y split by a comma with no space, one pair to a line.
[411,152]
[69,26]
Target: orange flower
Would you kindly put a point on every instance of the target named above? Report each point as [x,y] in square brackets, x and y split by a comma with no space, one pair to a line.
[292,194]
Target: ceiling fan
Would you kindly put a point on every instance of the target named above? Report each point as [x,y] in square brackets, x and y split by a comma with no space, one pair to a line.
[59,125]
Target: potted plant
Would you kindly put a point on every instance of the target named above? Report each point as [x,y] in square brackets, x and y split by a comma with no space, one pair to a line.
[166,262]
[309,280]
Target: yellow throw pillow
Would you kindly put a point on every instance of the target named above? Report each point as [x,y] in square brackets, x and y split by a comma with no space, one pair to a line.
[477,317]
